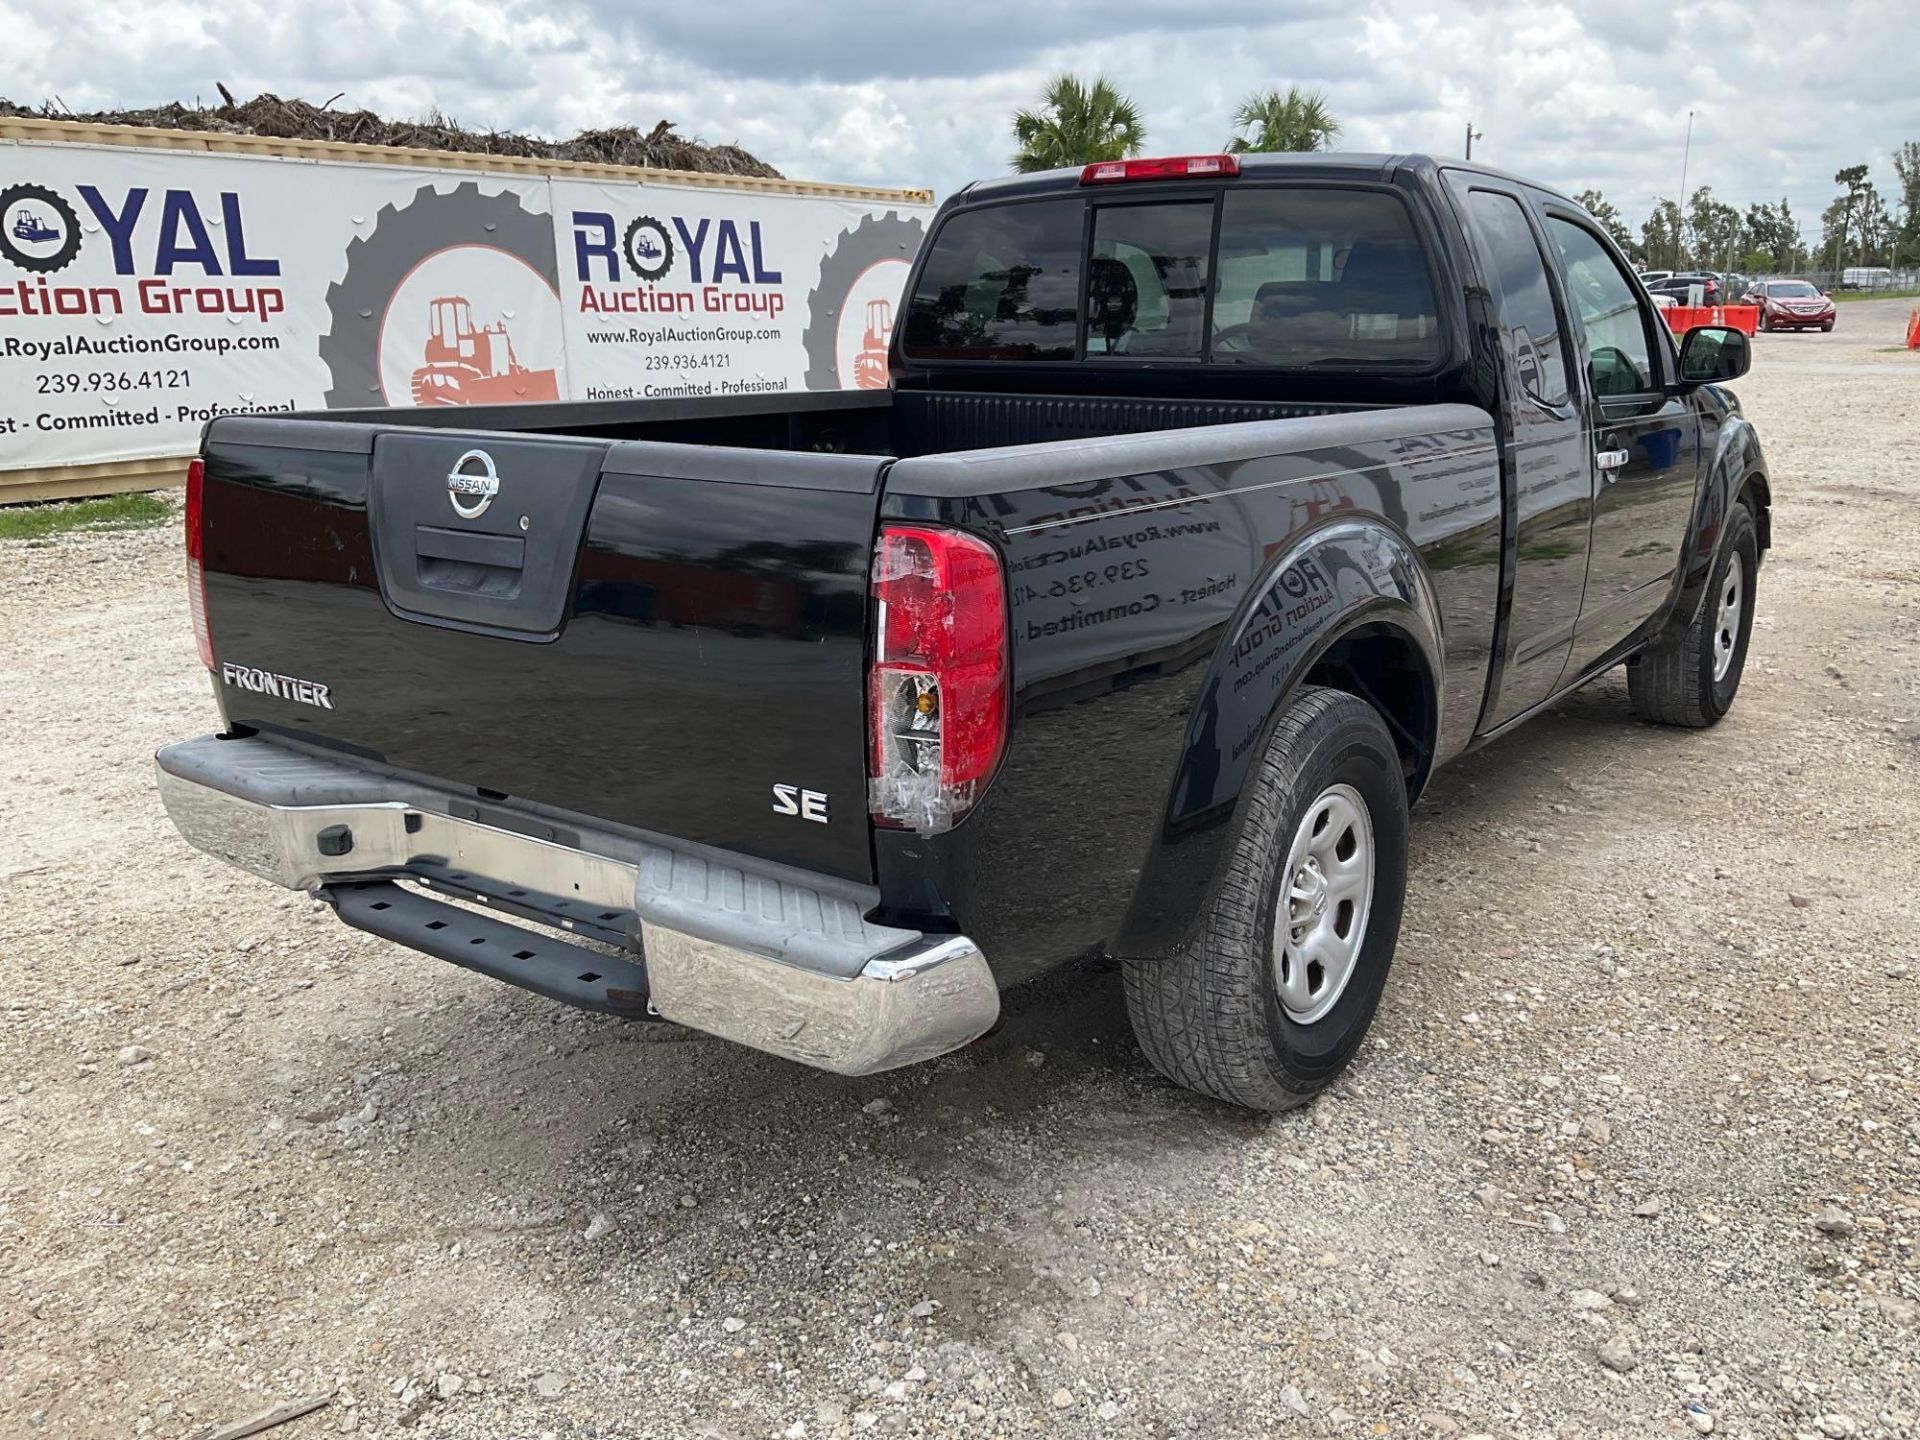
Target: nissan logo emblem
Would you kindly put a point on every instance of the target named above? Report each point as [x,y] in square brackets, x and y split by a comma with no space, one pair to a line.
[472,483]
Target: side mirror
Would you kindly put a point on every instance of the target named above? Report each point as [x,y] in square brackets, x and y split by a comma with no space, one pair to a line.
[1714,354]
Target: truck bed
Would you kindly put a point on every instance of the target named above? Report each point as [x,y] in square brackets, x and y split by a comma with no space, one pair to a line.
[664,613]
[896,424]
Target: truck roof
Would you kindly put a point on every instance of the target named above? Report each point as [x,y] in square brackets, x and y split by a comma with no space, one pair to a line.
[1323,164]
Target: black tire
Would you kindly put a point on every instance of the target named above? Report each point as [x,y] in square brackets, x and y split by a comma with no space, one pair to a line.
[1211,1019]
[1673,683]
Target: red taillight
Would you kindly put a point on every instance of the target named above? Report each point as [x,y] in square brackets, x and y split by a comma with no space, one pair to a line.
[1169,167]
[937,693]
[196,565]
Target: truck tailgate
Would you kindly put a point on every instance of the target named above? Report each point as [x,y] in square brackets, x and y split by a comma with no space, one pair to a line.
[652,634]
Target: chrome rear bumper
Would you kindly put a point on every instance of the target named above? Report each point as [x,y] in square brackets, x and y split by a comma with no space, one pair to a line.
[774,958]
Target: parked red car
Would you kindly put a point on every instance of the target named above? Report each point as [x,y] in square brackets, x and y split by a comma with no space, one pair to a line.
[1792,305]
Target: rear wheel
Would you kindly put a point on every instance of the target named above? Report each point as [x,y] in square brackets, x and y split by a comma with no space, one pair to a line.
[1691,679]
[1277,993]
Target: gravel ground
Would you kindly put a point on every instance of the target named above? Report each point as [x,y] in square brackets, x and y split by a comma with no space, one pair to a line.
[1634,1149]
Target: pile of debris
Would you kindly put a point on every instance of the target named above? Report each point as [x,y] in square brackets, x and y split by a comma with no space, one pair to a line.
[659,148]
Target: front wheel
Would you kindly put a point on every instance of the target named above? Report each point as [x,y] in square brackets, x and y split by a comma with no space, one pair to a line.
[1277,992]
[1691,679]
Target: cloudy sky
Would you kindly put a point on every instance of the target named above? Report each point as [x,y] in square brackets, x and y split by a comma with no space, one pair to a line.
[912,93]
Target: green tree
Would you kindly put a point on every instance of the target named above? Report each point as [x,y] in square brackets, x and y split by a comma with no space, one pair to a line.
[1906,164]
[1773,238]
[1077,124]
[1836,223]
[1715,228]
[1660,237]
[1875,227]
[1603,210]
[1838,233]
[1268,121]
[1757,258]
[1793,254]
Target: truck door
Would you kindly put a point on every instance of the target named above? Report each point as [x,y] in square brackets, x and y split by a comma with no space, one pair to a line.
[1551,490]
[1645,451]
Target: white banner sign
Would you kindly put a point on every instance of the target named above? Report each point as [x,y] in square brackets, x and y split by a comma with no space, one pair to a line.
[704,292]
[142,292]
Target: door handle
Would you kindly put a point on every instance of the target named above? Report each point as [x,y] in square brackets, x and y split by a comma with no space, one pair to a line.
[1609,461]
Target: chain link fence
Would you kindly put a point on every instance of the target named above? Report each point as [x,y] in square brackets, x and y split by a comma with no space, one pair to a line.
[1861,277]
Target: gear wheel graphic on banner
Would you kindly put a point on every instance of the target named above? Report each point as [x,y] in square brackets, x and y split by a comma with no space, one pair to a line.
[648,248]
[848,327]
[404,238]
[38,230]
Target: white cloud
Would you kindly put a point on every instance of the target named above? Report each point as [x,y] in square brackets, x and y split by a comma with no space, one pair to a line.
[917,93]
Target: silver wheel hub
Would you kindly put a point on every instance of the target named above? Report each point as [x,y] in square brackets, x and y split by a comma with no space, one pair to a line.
[1728,603]
[1320,920]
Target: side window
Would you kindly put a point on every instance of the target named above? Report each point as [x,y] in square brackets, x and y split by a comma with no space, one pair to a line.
[1001,283]
[1517,275]
[1147,280]
[1619,351]
[1317,276]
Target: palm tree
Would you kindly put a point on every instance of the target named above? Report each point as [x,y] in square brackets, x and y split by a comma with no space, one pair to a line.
[1297,120]
[1077,124]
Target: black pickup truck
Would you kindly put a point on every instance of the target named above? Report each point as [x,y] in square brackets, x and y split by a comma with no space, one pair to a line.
[1213,503]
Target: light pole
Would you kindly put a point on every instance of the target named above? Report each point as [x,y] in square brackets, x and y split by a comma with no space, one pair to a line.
[1472,135]
[1686,154]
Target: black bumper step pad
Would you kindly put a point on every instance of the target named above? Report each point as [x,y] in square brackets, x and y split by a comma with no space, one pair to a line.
[544,964]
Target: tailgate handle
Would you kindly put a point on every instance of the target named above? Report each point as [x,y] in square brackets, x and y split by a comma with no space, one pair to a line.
[502,552]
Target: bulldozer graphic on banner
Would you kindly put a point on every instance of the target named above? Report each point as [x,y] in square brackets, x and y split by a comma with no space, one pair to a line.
[870,365]
[29,226]
[468,364]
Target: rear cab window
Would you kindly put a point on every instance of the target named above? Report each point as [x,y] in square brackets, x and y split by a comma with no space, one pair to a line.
[1515,273]
[1147,280]
[1277,276]
[1003,283]
[1322,276]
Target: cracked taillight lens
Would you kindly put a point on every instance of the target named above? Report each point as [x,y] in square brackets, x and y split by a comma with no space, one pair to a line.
[937,692]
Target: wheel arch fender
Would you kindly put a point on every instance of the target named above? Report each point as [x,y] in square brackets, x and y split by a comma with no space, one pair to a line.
[1735,469]
[1348,601]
